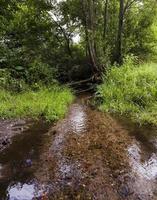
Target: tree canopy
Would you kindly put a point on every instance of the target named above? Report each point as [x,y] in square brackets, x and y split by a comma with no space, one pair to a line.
[73,39]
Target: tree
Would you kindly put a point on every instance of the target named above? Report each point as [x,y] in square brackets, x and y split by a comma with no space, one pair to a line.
[89,22]
[42,31]
[123,7]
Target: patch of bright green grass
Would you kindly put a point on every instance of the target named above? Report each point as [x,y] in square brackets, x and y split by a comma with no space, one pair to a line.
[50,103]
[131,90]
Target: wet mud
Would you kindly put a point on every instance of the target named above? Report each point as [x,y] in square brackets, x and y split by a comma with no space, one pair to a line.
[87,155]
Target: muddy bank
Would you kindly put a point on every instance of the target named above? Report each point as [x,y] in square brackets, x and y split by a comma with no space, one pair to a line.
[87,155]
[10,128]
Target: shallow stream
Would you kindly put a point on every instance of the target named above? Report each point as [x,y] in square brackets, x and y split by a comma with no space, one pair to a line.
[87,155]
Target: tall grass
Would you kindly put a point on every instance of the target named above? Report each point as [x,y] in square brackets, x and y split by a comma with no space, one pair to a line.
[50,103]
[131,90]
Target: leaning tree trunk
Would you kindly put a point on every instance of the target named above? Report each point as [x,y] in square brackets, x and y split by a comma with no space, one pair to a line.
[89,25]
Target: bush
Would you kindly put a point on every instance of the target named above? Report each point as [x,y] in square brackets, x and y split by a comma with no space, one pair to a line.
[21,78]
[49,103]
[9,83]
[131,89]
[40,72]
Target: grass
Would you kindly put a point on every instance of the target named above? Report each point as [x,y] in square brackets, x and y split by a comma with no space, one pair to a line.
[49,103]
[131,90]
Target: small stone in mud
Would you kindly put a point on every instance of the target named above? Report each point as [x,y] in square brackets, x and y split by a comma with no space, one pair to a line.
[5,142]
[54,132]
[93,173]
[124,191]
[28,163]
[69,183]
[141,197]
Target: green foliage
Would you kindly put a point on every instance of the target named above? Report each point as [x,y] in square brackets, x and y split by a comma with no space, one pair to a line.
[131,89]
[49,103]
[36,37]
[140,38]
[9,83]
[38,71]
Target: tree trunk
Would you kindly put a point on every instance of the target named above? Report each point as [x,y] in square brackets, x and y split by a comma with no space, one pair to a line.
[105,25]
[118,53]
[105,19]
[89,25]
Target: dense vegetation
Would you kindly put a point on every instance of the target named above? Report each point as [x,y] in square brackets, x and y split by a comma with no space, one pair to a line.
[50,104]
[67,40]
[45,43]
[131,89]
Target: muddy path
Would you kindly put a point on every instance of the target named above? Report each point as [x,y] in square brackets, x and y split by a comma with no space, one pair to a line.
[87,155]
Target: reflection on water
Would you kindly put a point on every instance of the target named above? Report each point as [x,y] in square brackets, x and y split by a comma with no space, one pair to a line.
[75,123]
[148,168]
[24,191]
[144,171]
[78,119]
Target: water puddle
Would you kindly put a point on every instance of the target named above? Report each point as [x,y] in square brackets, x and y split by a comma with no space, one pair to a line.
[147,168]
[78,119]
[19,160]
[143,173]
[142,158]
[25,191]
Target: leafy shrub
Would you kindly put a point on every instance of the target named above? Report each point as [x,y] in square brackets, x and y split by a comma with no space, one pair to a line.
[9,83]
[34,76]
[40,72]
